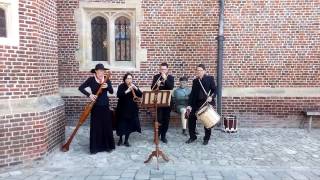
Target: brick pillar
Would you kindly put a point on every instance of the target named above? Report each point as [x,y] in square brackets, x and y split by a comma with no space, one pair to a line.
[32,114]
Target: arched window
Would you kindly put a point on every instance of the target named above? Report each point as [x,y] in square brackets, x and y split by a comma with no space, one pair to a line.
[122,39]
[99,29]
[3,26]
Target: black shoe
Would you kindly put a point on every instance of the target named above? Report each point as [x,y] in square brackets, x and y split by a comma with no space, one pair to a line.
[119,142]
[190,140]
[184,132]
[205,142]
[109,150]
[164,140]
[127,144]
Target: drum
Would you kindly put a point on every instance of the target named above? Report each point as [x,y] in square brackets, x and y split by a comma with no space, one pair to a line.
[230,124]
[208,116]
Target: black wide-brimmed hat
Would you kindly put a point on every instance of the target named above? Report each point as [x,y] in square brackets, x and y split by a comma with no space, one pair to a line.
[98,66]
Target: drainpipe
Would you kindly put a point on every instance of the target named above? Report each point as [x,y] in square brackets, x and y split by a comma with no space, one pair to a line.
[220,39]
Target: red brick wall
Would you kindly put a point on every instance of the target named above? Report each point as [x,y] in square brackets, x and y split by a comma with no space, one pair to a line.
[29,136]
[30,70]
[270,111]
[267,44]
[48,50]
[272,44]
[177,32]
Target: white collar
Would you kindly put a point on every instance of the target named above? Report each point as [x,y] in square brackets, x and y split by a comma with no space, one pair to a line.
[97,80]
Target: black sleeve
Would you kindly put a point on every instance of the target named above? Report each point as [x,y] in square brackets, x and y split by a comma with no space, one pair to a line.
[138,92]
[83,86]
[154,81]
[213,87]
[192,94]
[169,83]
[109,88]
[121,91]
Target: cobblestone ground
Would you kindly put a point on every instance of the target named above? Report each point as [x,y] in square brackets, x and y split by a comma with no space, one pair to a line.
[271,154]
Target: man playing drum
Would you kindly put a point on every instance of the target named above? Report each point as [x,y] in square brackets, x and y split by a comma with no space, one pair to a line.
[203,89]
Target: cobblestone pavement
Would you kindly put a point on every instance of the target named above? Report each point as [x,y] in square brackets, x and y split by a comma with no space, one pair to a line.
[263,153]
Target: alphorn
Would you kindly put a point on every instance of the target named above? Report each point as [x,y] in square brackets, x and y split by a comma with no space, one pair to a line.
[84,115]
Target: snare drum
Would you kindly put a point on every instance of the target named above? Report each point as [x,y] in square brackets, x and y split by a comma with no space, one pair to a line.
[208,116]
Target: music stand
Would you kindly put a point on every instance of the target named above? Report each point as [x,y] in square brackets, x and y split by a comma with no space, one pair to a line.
[155,99]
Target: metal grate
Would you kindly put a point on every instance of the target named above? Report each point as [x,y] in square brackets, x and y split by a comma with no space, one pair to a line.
[122,39]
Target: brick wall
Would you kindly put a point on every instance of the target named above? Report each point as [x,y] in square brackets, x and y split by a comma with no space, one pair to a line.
[270,111]
[30,69]
[29,136]
[267,44]
[272,44]
[179,32]
[29,73]
[172,31]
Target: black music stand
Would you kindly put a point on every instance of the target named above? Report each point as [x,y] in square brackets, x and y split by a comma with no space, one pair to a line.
[155,99]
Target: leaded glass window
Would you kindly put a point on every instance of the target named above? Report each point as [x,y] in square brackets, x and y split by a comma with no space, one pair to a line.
[99,29]
[122,39]
[3,26]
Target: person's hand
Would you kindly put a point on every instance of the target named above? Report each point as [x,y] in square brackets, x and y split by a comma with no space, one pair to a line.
[134,86]
[164,76]
[209,99]
[187,113]
[104,85]
[93,97]
[158,83]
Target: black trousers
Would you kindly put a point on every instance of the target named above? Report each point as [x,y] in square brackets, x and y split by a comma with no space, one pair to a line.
[163,115]
[192,126]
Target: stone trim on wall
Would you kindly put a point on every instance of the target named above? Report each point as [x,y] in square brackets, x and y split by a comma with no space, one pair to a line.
[29,105]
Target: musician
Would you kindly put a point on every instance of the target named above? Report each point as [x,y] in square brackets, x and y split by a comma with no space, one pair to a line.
[197,98]
[181,96]
[101,134]
[163,81]
[127,109]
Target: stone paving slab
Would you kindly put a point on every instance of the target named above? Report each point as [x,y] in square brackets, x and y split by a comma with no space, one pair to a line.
[263,153]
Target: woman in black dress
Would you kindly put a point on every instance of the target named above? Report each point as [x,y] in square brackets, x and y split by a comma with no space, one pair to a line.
[127,110]
[101,134]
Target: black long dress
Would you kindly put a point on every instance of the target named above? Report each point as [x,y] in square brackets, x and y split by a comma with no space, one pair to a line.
[101,134]
[127,111]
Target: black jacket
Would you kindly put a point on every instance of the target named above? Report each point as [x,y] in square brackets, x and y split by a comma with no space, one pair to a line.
[197,96]
[103,99]
[168,84]
[126,107]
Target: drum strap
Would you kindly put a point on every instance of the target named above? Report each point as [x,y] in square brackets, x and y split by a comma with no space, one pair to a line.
[208,94]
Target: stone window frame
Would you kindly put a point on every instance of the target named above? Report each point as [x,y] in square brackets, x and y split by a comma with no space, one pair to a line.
[11,8]
[110,11]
